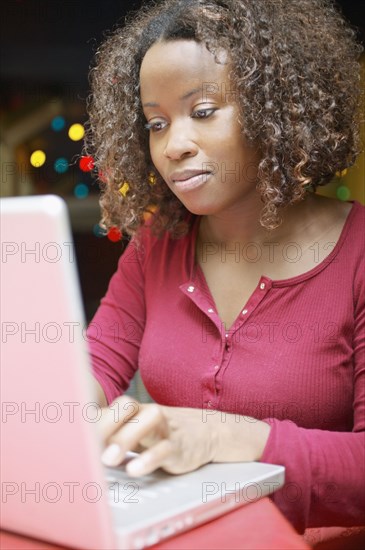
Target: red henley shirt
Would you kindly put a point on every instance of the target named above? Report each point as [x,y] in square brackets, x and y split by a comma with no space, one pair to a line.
[294,357]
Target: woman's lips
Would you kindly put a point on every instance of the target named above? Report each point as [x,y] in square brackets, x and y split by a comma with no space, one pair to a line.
[192,183]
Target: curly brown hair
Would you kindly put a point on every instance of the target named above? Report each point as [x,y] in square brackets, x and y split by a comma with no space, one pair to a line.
[295,66]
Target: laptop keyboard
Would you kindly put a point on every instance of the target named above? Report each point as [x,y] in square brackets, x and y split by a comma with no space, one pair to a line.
[124,491]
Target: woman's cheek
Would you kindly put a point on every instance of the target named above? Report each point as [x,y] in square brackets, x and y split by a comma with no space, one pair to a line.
[156,152]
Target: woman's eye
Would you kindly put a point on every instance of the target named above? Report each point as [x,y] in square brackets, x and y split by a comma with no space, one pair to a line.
[203,113]
[161,125]
[155,126]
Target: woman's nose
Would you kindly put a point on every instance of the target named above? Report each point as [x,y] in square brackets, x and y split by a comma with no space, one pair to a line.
[180,142]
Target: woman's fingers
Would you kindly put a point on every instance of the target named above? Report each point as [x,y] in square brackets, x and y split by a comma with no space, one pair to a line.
[146,431]
[149,427]
[120,413]
[172,438]
[151,459]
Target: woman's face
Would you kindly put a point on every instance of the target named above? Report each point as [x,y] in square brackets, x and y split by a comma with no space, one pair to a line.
[195,138]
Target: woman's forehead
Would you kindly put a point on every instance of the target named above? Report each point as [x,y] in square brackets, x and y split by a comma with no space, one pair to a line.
[179,64]
[181,56]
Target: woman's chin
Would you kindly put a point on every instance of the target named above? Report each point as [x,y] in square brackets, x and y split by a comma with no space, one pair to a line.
[201,209]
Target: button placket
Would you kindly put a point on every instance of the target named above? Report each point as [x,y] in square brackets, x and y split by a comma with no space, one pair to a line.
[220,366]
[212,369]
[194,293]
[256,298]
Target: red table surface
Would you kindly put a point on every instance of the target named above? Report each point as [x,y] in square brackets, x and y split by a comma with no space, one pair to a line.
[258,525]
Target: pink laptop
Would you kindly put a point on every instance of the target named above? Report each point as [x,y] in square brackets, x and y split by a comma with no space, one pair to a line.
[54,486]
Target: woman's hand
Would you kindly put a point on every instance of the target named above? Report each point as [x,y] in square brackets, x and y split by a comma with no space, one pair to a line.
[177,439]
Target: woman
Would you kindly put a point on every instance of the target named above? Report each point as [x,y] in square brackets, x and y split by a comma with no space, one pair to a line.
[241,299]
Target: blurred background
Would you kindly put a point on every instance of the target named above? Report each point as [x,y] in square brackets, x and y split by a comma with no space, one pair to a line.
[47,47]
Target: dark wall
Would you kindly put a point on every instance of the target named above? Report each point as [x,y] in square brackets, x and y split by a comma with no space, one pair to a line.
[55,39]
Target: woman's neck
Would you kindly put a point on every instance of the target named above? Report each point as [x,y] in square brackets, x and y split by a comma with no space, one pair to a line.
[243,226]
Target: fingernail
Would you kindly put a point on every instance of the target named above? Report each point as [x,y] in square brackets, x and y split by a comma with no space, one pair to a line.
[135,467]
[112,455]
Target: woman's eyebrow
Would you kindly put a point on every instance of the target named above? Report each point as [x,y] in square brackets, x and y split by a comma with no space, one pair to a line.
[182,98]
[192,92]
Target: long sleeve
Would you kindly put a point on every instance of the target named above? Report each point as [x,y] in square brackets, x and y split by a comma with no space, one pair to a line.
[325,475]
[325,470]
[114,334]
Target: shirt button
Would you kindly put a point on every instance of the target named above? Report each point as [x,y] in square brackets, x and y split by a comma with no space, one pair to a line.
[262,286]
[216,367]
[191,288]
[209,404]
[210,310]
[244,312]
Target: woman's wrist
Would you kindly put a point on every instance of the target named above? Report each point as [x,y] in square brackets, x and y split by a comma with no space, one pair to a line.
[262,433]
[239,438]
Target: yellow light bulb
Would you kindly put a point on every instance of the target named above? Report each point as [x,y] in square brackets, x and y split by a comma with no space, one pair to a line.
[76,132]
[37,158]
